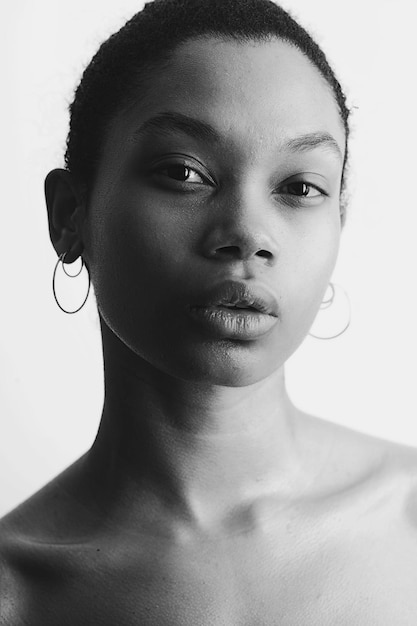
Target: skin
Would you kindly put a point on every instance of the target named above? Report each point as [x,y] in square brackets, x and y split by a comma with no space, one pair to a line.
[208,497]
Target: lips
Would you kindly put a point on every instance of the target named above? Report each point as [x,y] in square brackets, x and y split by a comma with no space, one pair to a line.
[239,295]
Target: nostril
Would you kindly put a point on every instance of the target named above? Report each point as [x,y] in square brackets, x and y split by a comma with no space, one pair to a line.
[229,251]
[236,252]
[265,254]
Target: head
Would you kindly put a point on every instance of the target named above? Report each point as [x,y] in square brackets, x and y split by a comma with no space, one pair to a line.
[208,141]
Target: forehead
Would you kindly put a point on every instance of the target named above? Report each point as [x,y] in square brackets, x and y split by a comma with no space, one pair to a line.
[253,92]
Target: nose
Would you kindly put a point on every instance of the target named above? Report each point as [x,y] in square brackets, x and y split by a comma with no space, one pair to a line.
[241,232]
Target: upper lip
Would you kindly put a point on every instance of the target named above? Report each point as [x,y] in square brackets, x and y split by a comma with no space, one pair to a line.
[235,293]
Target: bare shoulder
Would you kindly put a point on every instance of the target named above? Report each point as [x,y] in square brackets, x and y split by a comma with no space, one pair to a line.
[400,468]
[398,471]
[46,511]
[370,471]
[30,537]
[395,464]
[9,585]
[367,495]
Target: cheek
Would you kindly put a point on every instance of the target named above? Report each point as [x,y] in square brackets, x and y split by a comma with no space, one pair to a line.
[309,274]
[139,254]
[132,242]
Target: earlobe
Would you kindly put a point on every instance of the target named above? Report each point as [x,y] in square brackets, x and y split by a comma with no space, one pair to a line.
[66,211]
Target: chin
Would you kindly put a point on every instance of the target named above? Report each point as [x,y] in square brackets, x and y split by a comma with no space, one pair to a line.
[225,363]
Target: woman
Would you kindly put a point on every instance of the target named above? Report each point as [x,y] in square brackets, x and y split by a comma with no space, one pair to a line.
[204,192]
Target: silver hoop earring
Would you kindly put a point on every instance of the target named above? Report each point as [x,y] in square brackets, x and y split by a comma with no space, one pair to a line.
[61,260]
[337,296]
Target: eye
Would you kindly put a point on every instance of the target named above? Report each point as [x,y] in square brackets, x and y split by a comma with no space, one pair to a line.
[180,172]
[302,190]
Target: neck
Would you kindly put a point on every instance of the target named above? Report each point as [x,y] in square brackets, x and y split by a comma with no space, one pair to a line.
[202,450]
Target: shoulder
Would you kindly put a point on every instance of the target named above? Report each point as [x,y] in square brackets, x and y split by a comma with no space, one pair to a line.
[390,464]
[393,464]
[400,469]
[11,589]
[360,465]
[49,513]
[35,545]
[16,540]
[389,484]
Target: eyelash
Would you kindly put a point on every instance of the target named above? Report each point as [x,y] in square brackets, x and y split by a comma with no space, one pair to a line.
[294,196]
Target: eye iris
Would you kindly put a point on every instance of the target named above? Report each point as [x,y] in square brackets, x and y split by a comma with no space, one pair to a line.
[177,171]
[299,189]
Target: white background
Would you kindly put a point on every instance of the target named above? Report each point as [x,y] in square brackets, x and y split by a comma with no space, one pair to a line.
[50,363]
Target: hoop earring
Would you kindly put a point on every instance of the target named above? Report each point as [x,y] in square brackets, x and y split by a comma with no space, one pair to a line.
[61,260]
[327,303]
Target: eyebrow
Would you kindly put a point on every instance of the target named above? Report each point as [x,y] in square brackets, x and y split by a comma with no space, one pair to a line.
[170,121]
[167,122]
[310,141]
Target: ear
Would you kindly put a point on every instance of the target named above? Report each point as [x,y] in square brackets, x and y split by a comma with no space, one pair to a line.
[66,213]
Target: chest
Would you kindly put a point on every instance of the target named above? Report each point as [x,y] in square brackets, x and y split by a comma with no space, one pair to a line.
[235,583]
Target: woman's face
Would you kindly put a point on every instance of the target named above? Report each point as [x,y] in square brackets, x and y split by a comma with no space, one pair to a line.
[179,209]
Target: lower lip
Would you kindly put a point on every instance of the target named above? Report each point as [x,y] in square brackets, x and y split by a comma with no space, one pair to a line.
[244,324]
